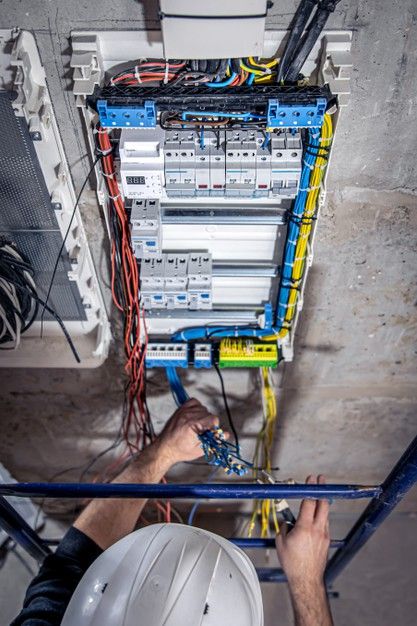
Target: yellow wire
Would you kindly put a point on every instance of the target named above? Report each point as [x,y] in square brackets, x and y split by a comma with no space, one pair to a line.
[316,178]
[267,64]
[315,181]
[251,70]
[264,511]
[266,79]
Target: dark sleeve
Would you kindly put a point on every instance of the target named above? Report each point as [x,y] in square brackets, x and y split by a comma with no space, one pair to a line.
[50,591]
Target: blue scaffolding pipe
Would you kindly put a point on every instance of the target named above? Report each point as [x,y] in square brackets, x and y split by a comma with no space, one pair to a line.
[20,531]
[397,484]
[384,499]
[269,542]
[214,491]
[271,575]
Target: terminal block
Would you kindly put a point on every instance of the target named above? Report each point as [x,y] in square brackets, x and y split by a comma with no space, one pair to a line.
[152,282]
[200,270]
[281,115]
[116,116]
[145,219]
[176,279]
[247,353]
[166,355]
[203,355]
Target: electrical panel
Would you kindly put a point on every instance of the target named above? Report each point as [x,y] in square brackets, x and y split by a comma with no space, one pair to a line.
[220,170]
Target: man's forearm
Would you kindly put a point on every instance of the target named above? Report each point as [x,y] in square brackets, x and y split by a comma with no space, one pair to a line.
[107,521]
[310,604]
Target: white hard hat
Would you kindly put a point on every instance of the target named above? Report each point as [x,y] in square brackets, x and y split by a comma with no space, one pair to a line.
[168,575]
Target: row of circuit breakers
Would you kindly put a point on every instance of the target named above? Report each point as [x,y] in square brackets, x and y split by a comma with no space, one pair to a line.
[172,281]
[155,163]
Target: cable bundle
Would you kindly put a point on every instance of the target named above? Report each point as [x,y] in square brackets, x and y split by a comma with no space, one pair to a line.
[18,307]
[302,37]
[265,510]
[137,426]
[213,73]
[219,452]
[177,388]
[301,220]
[19,300]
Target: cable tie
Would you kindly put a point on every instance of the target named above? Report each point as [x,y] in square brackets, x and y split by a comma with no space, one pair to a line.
[294,243]
[111,175]
[100,131]
[137,74]
[310,167]
[288,264]
[326,139]
[300,258]
[166,72]
[115,197]
[103,153]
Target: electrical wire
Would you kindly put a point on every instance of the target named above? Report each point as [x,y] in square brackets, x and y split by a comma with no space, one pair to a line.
[227,408]
[311,35]
[19,300]
[177,388]
[298,24]
[58,258]
[264,511]
[137,428]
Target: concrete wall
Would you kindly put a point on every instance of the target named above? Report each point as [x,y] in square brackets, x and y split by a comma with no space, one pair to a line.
[348,403]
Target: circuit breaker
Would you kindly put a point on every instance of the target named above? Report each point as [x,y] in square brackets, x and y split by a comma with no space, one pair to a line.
[230,164]
[214,158]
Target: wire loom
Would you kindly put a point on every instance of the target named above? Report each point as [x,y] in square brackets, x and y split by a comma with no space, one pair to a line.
[19,299]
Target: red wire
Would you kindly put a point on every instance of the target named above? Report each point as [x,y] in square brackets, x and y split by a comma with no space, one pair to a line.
[136,422]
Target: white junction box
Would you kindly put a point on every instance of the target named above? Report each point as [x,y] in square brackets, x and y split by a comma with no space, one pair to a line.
[219,29]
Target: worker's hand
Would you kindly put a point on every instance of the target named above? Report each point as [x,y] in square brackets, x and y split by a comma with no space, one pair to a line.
[179,441]
[303,551]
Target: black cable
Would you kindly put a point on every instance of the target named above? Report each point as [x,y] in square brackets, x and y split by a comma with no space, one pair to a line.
[297,26]
[16,271]
[227,409]
[58,258]
[35,297]
[306,43]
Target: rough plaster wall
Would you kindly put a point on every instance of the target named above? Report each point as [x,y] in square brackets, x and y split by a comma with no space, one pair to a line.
[348,403]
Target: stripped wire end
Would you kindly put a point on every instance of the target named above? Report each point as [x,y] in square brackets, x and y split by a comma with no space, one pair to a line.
[218,451]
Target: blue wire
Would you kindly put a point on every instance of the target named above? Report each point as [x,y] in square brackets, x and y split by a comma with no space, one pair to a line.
[225,83]
[205,332]
[251,79]
[177,388]
[267,139]
[197,504]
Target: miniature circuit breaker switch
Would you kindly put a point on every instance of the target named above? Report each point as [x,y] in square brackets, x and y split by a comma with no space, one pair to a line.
[213,159]
[145,219]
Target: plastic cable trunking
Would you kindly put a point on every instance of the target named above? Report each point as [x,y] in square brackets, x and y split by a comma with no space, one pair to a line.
[295,115]
[127,117]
